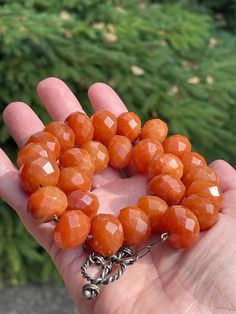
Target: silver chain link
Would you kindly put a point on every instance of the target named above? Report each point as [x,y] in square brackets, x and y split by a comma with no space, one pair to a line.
[121,260]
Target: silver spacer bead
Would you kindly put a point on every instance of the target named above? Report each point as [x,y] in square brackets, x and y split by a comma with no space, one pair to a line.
[90,291]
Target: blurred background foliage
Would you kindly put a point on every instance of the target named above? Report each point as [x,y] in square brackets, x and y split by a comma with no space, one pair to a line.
[171,59]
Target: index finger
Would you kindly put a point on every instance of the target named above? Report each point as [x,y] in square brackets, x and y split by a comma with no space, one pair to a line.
[21,122]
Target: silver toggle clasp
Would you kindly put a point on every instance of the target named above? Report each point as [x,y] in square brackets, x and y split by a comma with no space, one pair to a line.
[124,257]
[119,261]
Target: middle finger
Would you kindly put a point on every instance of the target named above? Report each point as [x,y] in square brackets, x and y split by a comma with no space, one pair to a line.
[57,98]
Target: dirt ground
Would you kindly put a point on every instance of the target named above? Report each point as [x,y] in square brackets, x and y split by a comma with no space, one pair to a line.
[30,299]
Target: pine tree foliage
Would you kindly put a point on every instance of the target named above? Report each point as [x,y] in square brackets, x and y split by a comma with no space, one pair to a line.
[224,11]
[165,60]
[21,257]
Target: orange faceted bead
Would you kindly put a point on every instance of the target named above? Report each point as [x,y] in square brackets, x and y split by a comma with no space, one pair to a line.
[131,169]
[200,173]
[154,207]
[144,151]
[76,157]
[99,154]
[182,225]
[72,229]
[37,173]
[71,179]
[136,225]
[47,202]
[85,201]
[165,164]
[155,129]
[33,151]
[107,234]
[168,188]
[206,213]
[177,145]
[81,126]
[48,139]
[105,125]
[120,151]
[191,160]
[206,190]
[63,133]
[129,125]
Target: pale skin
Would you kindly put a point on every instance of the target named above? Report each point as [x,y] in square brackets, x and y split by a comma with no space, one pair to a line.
[198,280]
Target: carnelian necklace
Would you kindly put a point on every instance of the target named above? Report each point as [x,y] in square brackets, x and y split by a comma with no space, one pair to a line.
[56,168]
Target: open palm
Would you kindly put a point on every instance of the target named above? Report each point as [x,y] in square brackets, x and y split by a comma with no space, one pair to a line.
[199,280]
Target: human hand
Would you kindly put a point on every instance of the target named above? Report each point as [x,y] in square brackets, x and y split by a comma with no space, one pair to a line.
[199,280]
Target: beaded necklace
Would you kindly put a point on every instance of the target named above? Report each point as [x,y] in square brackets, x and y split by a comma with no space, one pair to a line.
[56,168]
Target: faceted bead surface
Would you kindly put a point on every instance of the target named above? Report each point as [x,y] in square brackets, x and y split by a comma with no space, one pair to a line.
[72,229]
[131,169]
[129,125]
[81,126]
[168,188]
[120,151]
[191,160]
[107,234]
[177,145]
[47,202]
[200,173]
[105,125]
[182,225]
[76,157]
[33,151]
[85,201]
[206,213]
[165,164]
[155,129]
[144,151]
[48,139]
[99,153]
[206,190]
[63,133]
[154,207]
[71,179]
[136,225]
[37,173]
